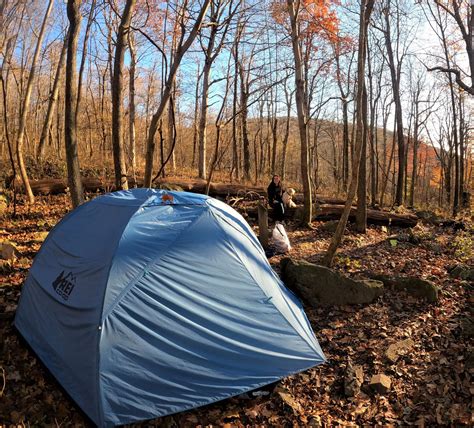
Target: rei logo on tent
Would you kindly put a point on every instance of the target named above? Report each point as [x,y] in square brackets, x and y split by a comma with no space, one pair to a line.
[167,198]
[63,285]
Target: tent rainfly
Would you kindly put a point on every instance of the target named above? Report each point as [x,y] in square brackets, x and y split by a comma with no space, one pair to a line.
[144,303]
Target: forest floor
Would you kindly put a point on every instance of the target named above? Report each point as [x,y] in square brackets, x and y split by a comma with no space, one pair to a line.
[430,385]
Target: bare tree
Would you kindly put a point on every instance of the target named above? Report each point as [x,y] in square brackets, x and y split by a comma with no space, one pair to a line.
[131,105]
[456,9]
[366,7]
[302,108]
[52,102]
[221,14]
[117,102]
[26,106]
[394,60]
[70,123]
[183,46]
[84,55]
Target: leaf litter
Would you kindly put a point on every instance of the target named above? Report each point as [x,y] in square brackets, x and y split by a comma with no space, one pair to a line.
[431,384]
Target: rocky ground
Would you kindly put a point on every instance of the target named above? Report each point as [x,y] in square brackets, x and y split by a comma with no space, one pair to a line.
[399,360]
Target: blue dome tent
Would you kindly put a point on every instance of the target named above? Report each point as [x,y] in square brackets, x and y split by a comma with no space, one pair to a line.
[144,303]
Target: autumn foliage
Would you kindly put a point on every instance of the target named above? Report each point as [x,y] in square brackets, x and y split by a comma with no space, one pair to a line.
[316,17]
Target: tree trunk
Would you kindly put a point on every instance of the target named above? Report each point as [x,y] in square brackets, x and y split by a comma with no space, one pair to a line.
[411,199]
[274,142]
[171,137]
[366,7]
[345,144]
[398,110]
[26,105]
[244,95]
[288,97]
[361,215]
[235,170]
[84,54]
[301,106]
[131,104]
[202,167]
[52,102]
[196,117]
[117,101]
[181,50]
[73,169]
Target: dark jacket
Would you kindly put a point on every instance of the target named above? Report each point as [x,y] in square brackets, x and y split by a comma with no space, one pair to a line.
[275,193]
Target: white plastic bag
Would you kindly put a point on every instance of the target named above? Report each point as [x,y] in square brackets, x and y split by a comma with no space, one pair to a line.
[280,239]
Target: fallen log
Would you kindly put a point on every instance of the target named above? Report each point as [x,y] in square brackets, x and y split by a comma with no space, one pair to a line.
[384,218]
[54,186]
[321,199]
[221,190]
[326,212]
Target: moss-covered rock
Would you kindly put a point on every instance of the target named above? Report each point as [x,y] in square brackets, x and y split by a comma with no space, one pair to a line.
[464,272]
[321,286]
[417,287]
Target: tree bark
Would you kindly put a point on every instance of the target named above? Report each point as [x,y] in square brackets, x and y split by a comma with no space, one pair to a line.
[202,167]
[288,99]
[196,117]
[26,106]
[361,214]
[301,106]
[84,54]
[398,109]
[366,7]
[74,172]
[131,105]
[181,50]
[52,102]
[244,97]
[117,101]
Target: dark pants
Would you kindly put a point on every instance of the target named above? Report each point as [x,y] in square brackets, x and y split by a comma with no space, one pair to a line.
[278,211]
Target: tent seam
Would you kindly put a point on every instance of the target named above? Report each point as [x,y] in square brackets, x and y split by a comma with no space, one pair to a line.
[256,283]
[99,336]
[144,270]
[120,297]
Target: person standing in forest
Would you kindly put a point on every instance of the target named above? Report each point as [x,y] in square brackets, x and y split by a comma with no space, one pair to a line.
[275,193]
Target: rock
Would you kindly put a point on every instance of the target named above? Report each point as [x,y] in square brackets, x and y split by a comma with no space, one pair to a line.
[395,349]
[415,286]
[429,217]
[462,272]
[288,399]
[353,379]
[321,286]
[401,237]
[330,226]
[8,251]
[380,383]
